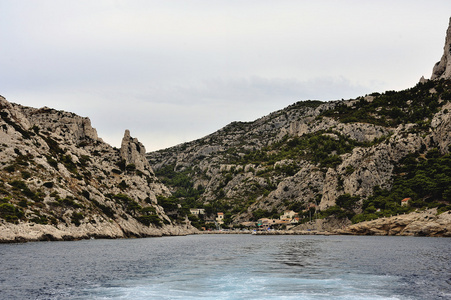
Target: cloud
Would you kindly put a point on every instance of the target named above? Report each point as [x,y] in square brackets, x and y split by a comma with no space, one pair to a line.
[172,71]
[163,115]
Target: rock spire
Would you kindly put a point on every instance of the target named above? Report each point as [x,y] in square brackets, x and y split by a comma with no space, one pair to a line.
[133,152]
[442,69]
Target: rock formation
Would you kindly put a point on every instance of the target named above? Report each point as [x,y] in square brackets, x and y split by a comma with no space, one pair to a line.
[59,181]
[422,223]
[311,153]
[338,161]
[133,153]
[442,69]
[248,167]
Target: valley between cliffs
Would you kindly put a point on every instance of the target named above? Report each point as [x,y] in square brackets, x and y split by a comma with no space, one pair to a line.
[339,163]
[379,164]
[60,181]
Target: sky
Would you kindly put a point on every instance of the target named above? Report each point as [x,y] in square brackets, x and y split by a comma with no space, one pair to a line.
[175,71]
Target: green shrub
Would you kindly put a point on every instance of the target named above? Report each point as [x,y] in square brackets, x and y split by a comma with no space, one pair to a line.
[69,201]
[168,203]
[48,184]
[121,164]
[23,203]
[52,162]
[21,186]
[347,201]
[108,211]
[40,220]
[195,221]
[349,170]
[84,159]
[150,219]
[86,194]
[76,218]
[133,206]
[130,167]
[148,210]
[123,185]
[122,197]
[10,168]
[25,174]
[116,171]
[69,164]
[10,213]
[18,185]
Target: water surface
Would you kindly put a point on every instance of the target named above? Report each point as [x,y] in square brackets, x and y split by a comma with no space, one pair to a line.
[229,267]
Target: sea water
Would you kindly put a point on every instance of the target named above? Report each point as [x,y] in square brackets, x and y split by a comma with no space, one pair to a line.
[229,267]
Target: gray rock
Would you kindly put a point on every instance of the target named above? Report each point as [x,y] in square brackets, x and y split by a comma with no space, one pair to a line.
[69,184]
[442,69]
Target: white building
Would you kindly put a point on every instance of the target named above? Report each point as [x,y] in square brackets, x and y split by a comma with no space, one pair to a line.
[220,218]
[197,211]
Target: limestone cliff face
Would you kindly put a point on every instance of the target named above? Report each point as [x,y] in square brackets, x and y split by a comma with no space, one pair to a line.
[424,223]
[59,180]
[133,152]
[442,69]
[311,153]
[272,164]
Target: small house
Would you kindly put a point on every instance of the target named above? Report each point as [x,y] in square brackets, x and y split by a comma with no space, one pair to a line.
[197,211]
[405,202]
[289,214]
[220,218]
[266,223]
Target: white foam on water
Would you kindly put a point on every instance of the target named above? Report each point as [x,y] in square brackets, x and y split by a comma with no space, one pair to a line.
[240,286]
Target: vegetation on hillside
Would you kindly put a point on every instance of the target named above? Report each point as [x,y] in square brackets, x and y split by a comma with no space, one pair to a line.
[322,147]
[424,177]
[392,108]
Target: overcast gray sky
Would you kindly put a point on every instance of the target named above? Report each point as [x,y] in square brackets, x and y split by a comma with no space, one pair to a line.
[174,71]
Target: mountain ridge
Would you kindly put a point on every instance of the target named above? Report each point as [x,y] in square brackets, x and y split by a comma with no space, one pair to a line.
[315,154]
[347,166]
[60,181]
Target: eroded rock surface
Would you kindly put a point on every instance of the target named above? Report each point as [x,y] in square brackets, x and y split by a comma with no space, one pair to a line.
[60,181]
[442,69]
[425,223]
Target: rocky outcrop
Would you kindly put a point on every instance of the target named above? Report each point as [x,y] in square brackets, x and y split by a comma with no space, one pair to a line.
[440,125]
[133,153]
[322,225]
[308,155]
[59,181]
[27,232]
[218,162]
[442,69]
[422,223]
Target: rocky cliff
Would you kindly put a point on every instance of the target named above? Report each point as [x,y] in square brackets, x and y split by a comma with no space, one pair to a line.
[353,159]
[60,181]
[311,153]
[420,223]
[336,163]
[442,69]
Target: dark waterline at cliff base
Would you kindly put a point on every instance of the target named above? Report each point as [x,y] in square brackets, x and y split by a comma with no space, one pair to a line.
[229,267]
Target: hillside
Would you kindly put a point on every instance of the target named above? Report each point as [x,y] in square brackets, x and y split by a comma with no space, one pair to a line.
[60,181]
[349,160]
[360,161]
[313,153]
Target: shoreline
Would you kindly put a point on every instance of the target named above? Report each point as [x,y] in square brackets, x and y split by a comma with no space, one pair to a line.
[48,238]
[270,232]
[425,224]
